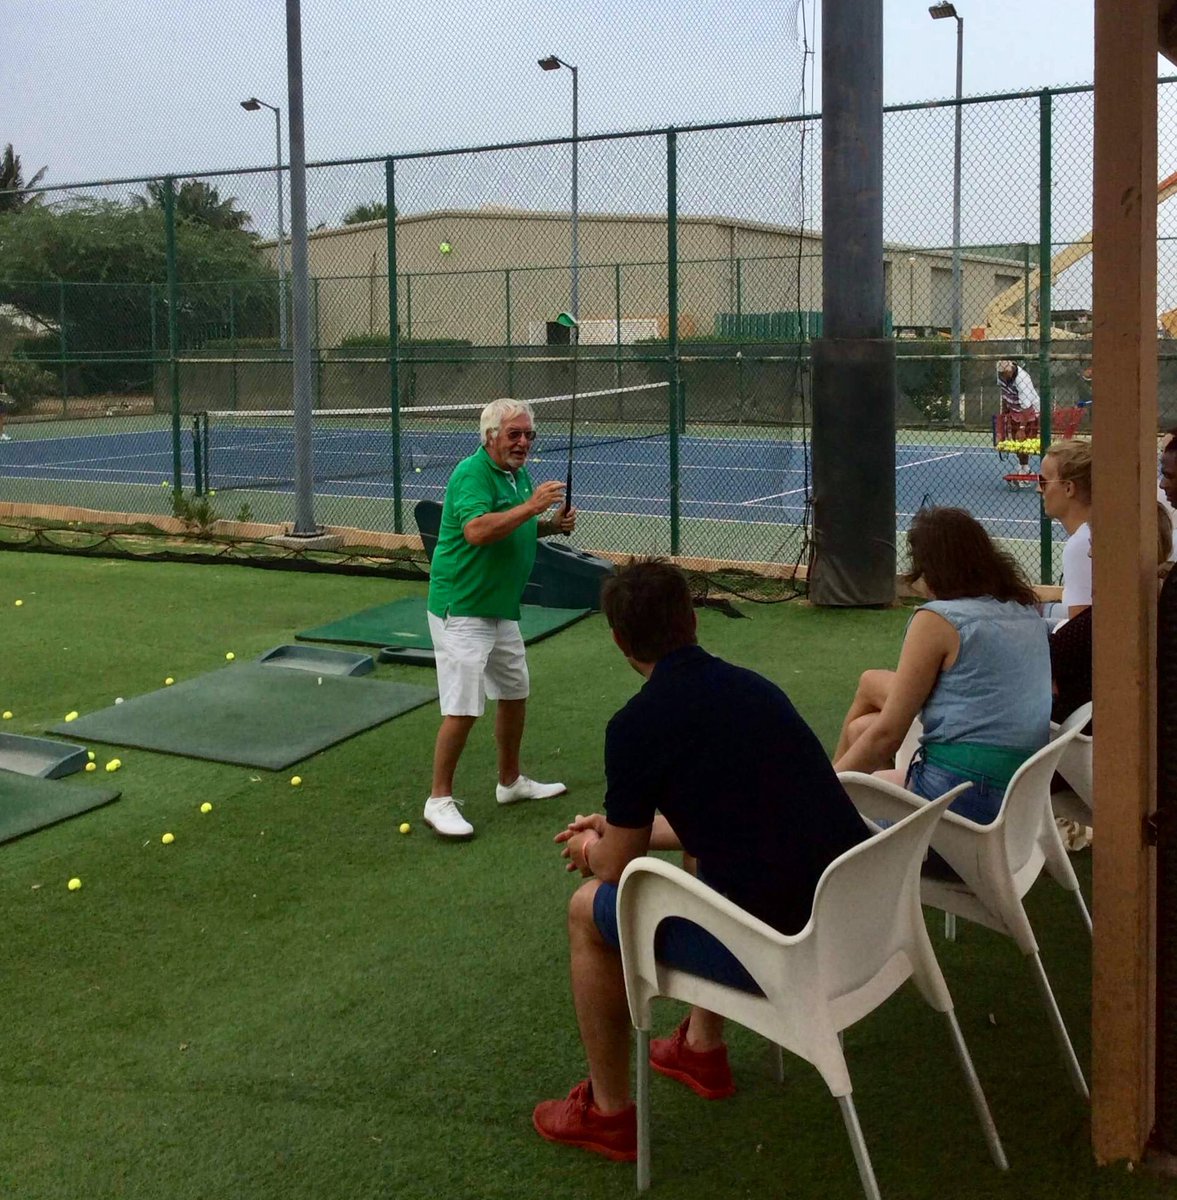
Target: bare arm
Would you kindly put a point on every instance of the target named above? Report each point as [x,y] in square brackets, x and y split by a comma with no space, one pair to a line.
[931,645]
[563,521]
[494,526]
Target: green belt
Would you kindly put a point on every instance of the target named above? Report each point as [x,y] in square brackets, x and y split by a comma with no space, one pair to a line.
[996,763]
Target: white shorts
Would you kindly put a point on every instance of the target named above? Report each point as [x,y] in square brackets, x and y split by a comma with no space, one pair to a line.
[477,657]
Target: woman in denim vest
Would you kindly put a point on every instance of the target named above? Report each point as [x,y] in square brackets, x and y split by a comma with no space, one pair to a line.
[974,667]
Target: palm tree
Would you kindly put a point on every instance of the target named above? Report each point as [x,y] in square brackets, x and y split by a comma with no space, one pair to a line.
[200,203]
[12,184]
[376,211]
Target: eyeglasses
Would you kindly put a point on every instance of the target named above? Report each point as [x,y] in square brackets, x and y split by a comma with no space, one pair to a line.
[1043,481]
[521,435]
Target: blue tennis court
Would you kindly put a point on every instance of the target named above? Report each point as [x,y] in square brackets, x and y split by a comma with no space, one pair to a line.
[755,478]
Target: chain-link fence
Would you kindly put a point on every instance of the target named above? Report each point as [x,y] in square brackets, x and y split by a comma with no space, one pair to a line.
[128,309]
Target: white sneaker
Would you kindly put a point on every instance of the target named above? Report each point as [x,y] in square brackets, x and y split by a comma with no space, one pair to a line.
[527,789]
[443,817]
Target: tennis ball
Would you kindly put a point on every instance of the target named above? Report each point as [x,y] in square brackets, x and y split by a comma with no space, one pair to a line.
[168,839]
[295,780]
[405,827]
[18,603]
[168,682]
[74,884]
[7,714]
[91,766]
[230,656]
[90,755]
[212,491]
[417,469]
[163,483]
[118,699]
[113,765]
[71,716]
[445,248]
[206,807]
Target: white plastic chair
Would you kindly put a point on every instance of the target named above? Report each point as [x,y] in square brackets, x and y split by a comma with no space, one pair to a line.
[1076,768]
[864,938]
[997,863]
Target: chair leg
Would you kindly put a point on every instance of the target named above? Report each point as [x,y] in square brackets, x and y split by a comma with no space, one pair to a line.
[643,1106]
[1083,910]
[1058,865]
[1060,1030]
[866,1173]
[980,1104]
[950,927]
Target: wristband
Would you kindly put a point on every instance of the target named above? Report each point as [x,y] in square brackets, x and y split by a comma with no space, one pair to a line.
[584,854]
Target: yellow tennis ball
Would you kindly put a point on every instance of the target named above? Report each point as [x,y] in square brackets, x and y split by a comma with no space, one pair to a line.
[168,682]
[90,766]
[18,603]
[163,483]
[405,827]
[206,807]
[90,755]
[113,765]
[230,656]
[74,884]
[212,491]
[8,714]
[417,469]
[445,248]
[296,781]
[168,839]
[71,716]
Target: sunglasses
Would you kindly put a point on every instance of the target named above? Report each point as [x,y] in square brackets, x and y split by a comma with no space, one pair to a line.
[521,435]
[1043,481]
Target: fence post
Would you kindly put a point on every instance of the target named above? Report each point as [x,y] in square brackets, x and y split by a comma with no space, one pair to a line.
[61,345]
[169,219]
[1045,541]
[510,350]
[393,346]
[617,325]
[1025,297]
[672,319]
[233,352]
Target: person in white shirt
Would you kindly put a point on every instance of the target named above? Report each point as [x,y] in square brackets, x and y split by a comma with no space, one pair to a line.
[1065,484]
[1019,398]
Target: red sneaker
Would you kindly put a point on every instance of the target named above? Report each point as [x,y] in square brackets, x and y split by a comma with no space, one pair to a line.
[577,1121]
[705,1072]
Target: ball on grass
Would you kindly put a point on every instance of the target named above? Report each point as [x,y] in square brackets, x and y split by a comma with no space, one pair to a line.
[206,807]
[8,714]
[74,884]
[118,699]
[18,603]
[168,839]
[230,656]
[90,755]
[113,765]
[71,716]
[404,827]
[168,682]
[91,766]
[296,781]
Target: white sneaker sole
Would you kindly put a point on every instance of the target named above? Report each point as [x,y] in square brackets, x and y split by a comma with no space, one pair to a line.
[448,837]
[520,799]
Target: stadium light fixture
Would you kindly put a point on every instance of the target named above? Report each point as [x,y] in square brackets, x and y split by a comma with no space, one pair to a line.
[252,105]
[553,63]
[940,11]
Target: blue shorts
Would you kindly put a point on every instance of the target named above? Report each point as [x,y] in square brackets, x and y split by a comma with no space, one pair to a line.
[678,943]
[981,803]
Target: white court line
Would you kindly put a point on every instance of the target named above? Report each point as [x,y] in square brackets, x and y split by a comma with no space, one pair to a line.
[923,462]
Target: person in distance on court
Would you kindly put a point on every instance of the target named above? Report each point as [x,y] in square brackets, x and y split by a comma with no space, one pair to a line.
[1018,396]
[974,667]
[485,549]
[712,759]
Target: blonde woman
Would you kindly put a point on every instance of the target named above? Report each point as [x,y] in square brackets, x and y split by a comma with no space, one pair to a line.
[1065,486]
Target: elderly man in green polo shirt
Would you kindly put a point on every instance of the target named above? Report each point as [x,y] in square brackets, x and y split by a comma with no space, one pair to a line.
[485,550]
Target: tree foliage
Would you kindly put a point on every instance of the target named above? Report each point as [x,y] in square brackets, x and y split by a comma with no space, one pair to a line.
[377,210]
[198,202]
[12,181]
[93,274]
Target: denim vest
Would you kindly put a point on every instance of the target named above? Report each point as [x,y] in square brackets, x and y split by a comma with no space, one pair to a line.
[997,693]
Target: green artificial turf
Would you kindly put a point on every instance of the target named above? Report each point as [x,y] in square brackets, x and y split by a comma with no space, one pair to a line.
[294,1001]
[249,714]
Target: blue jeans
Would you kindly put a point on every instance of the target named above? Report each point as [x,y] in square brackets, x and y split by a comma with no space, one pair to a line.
[981,803]
[678,943]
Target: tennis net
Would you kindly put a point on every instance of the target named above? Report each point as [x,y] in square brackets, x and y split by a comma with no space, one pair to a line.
[243,449]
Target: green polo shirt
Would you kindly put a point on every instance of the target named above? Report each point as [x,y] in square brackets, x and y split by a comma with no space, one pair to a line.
[481,581]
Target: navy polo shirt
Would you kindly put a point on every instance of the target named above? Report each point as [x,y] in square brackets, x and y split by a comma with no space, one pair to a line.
[725,757]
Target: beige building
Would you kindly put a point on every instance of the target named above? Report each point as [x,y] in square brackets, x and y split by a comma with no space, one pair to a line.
[496,276]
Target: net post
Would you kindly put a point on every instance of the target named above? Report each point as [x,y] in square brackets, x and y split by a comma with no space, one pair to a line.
[398,519]
[1045,540]
[197,462]
[169,217]
[672,331]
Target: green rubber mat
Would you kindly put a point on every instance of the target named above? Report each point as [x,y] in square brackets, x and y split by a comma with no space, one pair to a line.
[28,802]
[250,714]
[405,623]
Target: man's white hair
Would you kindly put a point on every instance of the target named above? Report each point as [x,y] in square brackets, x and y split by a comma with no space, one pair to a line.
[498,411]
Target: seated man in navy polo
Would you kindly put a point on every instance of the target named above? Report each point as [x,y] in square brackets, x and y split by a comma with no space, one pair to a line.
[714,760]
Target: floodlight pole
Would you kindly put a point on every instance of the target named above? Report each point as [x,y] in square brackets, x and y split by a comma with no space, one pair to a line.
[938,12]
[252,105]
[304,519]
[553,63]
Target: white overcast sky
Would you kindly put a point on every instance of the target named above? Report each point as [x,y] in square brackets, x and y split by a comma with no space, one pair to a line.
[106,88]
